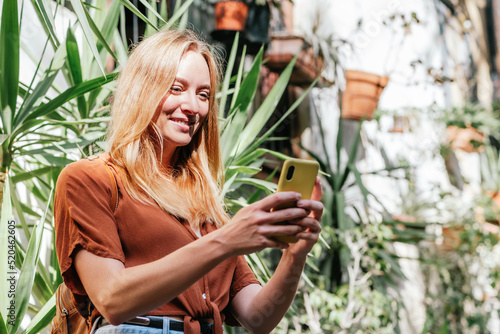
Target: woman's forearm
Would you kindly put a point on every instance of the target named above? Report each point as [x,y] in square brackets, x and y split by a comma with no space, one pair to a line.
[273,300]
[123,293]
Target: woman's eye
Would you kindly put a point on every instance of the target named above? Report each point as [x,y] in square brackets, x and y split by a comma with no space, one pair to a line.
[204,95]
[175,89]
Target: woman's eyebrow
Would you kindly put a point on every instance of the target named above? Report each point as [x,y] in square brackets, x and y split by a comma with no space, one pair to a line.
[187,83]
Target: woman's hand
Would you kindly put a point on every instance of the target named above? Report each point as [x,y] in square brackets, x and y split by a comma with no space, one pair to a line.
[254,227]
[310,236]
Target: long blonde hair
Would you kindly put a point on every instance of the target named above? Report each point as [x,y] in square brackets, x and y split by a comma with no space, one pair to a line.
[190,189]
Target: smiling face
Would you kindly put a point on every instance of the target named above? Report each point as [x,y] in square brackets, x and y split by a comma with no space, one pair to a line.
[186,105]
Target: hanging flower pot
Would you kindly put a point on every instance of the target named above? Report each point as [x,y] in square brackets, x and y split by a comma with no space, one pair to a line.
[361,95]
[468,139]
[281,51]
[230,15]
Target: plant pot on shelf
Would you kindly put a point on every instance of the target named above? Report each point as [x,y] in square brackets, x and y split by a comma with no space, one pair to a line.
[401,124]
[451,238]
[230,15]
[282,49]
[361,95]
[468,139]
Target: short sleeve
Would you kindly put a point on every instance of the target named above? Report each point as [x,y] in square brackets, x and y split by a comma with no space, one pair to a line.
[243,276]
[84,217]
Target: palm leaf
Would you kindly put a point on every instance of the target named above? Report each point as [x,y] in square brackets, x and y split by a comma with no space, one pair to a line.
[27,273]
[9,63]
[80,12]
[5,266]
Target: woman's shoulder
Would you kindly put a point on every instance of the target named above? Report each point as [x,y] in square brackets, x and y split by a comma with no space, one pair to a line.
[91,168]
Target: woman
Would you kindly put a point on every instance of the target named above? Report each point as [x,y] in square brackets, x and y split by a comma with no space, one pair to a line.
[166,248]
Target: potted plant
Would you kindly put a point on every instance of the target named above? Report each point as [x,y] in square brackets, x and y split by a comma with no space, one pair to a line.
[361,94]
[286,43]
[230,15]
[466,126]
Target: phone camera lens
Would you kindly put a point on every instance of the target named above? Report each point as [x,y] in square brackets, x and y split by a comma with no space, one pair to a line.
[289,173]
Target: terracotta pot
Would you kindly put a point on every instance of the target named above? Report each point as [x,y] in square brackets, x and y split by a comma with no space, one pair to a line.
[462,139]
[281,51]
[230,15]
[361,95]
[401,124]
[451,238]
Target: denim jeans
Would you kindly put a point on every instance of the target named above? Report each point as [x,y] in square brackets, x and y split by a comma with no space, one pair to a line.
[136,329]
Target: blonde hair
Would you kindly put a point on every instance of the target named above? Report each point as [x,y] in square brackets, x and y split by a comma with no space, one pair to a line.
[190,188]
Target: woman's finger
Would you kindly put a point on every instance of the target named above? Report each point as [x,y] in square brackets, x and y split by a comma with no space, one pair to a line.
[272,201]
[317,193]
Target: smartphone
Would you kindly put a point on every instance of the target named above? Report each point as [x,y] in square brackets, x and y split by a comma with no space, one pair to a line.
[296,175]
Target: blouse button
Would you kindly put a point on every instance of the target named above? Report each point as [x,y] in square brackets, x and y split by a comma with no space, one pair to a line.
[204,296]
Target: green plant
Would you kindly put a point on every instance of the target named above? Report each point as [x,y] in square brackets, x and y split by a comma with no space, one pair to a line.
[463,284]
[472,115]
[44,127]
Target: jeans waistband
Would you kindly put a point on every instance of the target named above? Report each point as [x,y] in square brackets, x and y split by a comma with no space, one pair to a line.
[158,322]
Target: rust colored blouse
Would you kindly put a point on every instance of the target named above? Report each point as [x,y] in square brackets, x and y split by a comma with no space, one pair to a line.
[135,234]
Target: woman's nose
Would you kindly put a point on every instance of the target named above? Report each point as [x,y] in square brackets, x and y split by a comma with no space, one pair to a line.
[190,102]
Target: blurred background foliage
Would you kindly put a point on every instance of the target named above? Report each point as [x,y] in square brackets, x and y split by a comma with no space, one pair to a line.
[354,278]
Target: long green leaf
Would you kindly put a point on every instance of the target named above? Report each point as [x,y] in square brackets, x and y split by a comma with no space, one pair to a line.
[177,15]
[31,174]
[227,77]
[265,111]
[28,270]
[70,94]
[87,31]
[6,240]
[9,63]
[294,106]
[16,205]
[75,68]
[3,329]
[98,34]
[42,318]
[239,77]
[138,13]
[42,87]
[43,10]
[352,156]
[111,22]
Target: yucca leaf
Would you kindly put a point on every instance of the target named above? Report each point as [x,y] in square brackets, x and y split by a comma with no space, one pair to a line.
[138,13]
[75,68]
[246,94]
[16,204]
[3,328]
[111,21]
[262,184]
[31,174]
[294,106]
[43,318]
[351,158]
[177,15]
[28,270]
[6,240]
[98,34]
[70,94]
[80,12]
[264,112]
[152,17]
[239,76]
[227,77]
[153,10]
[9,63]
[44,13]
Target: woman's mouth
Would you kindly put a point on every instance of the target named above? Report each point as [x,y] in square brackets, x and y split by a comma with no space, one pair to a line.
[183,125]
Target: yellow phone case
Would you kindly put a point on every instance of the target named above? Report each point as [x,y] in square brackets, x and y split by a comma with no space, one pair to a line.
[297,175]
